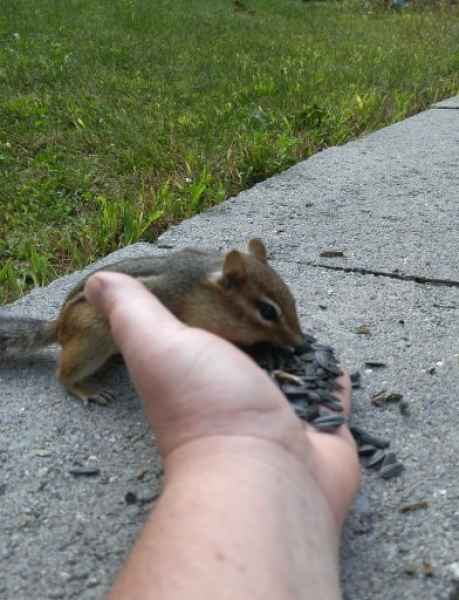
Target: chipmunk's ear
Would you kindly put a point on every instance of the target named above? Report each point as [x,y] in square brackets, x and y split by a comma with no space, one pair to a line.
[234,270]
[257,249]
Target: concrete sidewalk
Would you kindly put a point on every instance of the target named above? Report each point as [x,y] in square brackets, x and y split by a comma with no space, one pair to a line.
[390,201]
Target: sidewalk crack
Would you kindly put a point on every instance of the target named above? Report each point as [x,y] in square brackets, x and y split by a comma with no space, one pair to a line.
[390,275]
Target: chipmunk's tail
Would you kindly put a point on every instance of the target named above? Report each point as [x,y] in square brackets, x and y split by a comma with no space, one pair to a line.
[19,336]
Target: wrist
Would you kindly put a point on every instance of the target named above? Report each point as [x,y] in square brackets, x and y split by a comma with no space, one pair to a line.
[239,517]
[255,466]
[248,506]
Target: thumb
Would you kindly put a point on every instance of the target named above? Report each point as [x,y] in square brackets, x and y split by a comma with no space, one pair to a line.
[144,331]
[124,300]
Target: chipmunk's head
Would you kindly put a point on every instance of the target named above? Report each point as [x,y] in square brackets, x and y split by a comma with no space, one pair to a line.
[256,303]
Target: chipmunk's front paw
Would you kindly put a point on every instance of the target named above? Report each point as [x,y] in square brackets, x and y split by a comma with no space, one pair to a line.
[103,397]
[87,394]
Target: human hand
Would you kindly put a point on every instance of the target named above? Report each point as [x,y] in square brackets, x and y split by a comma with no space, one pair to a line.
[196,387]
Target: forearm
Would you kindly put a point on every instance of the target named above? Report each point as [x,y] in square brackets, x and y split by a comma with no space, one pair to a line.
[239,518]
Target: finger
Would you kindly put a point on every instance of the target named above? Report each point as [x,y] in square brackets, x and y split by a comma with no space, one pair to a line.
[145,332]
[344,394]
[335,466]
[118,293]
[338,450]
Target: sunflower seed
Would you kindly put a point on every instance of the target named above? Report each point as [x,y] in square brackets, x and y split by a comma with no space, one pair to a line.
[389,459]
[392,470]
[333,386]
[310,371]
[321,358]
[329,423]
[331,253]
[313,396]
[356,379]
[330,401]
[325,396]
[366,450]
[147,497]
[84,471]
[327,362]
[379,398]
[306,356]
[306,412]
[375,364]
[324,347]
[284,376]
[362,437]
[295,393]
[394,397]
[334,369]
[376,460]
[414,506]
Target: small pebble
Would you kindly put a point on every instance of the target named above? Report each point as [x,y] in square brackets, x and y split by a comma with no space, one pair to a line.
[130,498]
[410,568]
[454,593]
[427,568]
[453,569]
[404,408]
[362,330]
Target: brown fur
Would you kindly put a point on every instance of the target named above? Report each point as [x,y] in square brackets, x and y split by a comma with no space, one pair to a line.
[214,292]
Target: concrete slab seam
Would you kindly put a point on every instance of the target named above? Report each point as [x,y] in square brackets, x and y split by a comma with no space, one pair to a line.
[363,271]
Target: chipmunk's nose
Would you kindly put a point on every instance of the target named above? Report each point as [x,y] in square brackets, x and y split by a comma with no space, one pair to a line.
[300,343]
[303,343]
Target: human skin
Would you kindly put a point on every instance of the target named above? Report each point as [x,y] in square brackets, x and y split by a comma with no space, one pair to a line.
[253,500]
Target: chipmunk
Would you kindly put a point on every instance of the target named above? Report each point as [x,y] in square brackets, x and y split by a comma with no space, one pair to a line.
[237,296]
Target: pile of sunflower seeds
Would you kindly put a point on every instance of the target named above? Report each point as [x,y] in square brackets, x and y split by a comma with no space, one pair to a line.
[308,378]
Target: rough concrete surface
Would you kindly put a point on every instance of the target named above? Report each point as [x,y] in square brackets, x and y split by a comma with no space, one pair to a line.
[390,201]
[449,103]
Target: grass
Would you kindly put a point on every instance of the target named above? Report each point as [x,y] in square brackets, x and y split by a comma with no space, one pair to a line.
[120,117]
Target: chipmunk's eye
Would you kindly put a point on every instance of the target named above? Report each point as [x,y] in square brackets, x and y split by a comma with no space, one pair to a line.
[267,311]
